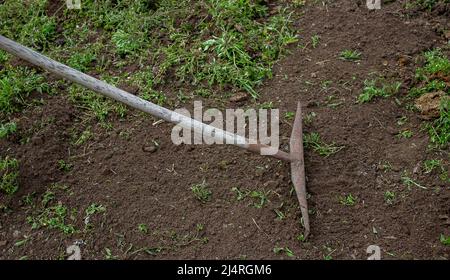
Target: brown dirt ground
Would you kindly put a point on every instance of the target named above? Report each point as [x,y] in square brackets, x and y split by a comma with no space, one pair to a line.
[153,188]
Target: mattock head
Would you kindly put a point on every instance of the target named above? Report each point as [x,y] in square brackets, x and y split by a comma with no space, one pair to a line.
[298,167]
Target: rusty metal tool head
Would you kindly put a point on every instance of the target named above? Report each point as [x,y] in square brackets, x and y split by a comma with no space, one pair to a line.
[298,167]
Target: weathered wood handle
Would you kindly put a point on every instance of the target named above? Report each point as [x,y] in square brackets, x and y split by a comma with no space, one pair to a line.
[129,99]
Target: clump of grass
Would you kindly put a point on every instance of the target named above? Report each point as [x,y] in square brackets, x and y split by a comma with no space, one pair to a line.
[439,129]
[408,181]
[4,56]
[289,115]
[64,166]
[259,197]
[405,134]
[310,117]
[124,42]
[53,217]
[315,40]
[286,250]
[97,106]
[9,172]
[201,192]
[78,140]
[240,50]
[348,200]
[350,55]
[143,228]
[389,197]
[39,31]
[424,4]
[81,60]
[445,240]
[7,129]
[431,164]
[16,85]
[91,210]
[95,208]
[372,89]
[431,77]
[314,141]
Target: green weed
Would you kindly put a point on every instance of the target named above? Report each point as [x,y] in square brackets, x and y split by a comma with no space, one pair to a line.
[445,240]
[436,62]
[424,4]
[124,42]
[16,85]
[350,55]
[310,117]
[408,181]
[372,90]
[439,129]
[143,228]
[389,197]
[7,129]
[431,78]
[9,173]
[289,115]
[286,250]
[430,165]
[315,40]
[405,134]
[53,217]
[4,56]
[259,197]
[64,166]
[95,208]
[81,60]
[348,200]
[201,192]
[314,141]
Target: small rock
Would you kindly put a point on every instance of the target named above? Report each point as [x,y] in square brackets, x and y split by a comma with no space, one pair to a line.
[447,34]
[417,168]
[239,97]
[429,104]
[149,149]
[271,184]
[108,156]
[403,60]
[16,233]
[3,243]
[374,230]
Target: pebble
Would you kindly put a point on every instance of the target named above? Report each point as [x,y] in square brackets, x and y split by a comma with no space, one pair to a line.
[149,149]
[240,96]
[271,184]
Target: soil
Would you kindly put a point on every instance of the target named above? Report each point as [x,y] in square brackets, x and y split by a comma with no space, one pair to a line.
[139,184]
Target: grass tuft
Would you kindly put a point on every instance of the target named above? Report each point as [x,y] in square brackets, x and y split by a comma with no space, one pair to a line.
[372,89]
[314,141]
[201,192]
[9,172]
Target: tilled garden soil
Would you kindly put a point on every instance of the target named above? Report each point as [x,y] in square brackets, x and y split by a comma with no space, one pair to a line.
[138,183]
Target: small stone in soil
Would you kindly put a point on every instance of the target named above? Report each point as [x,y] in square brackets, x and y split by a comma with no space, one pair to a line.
[238,97]
[149,149]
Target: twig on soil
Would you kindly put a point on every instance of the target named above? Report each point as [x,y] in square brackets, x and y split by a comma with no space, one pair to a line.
[157,122]
[259,227]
